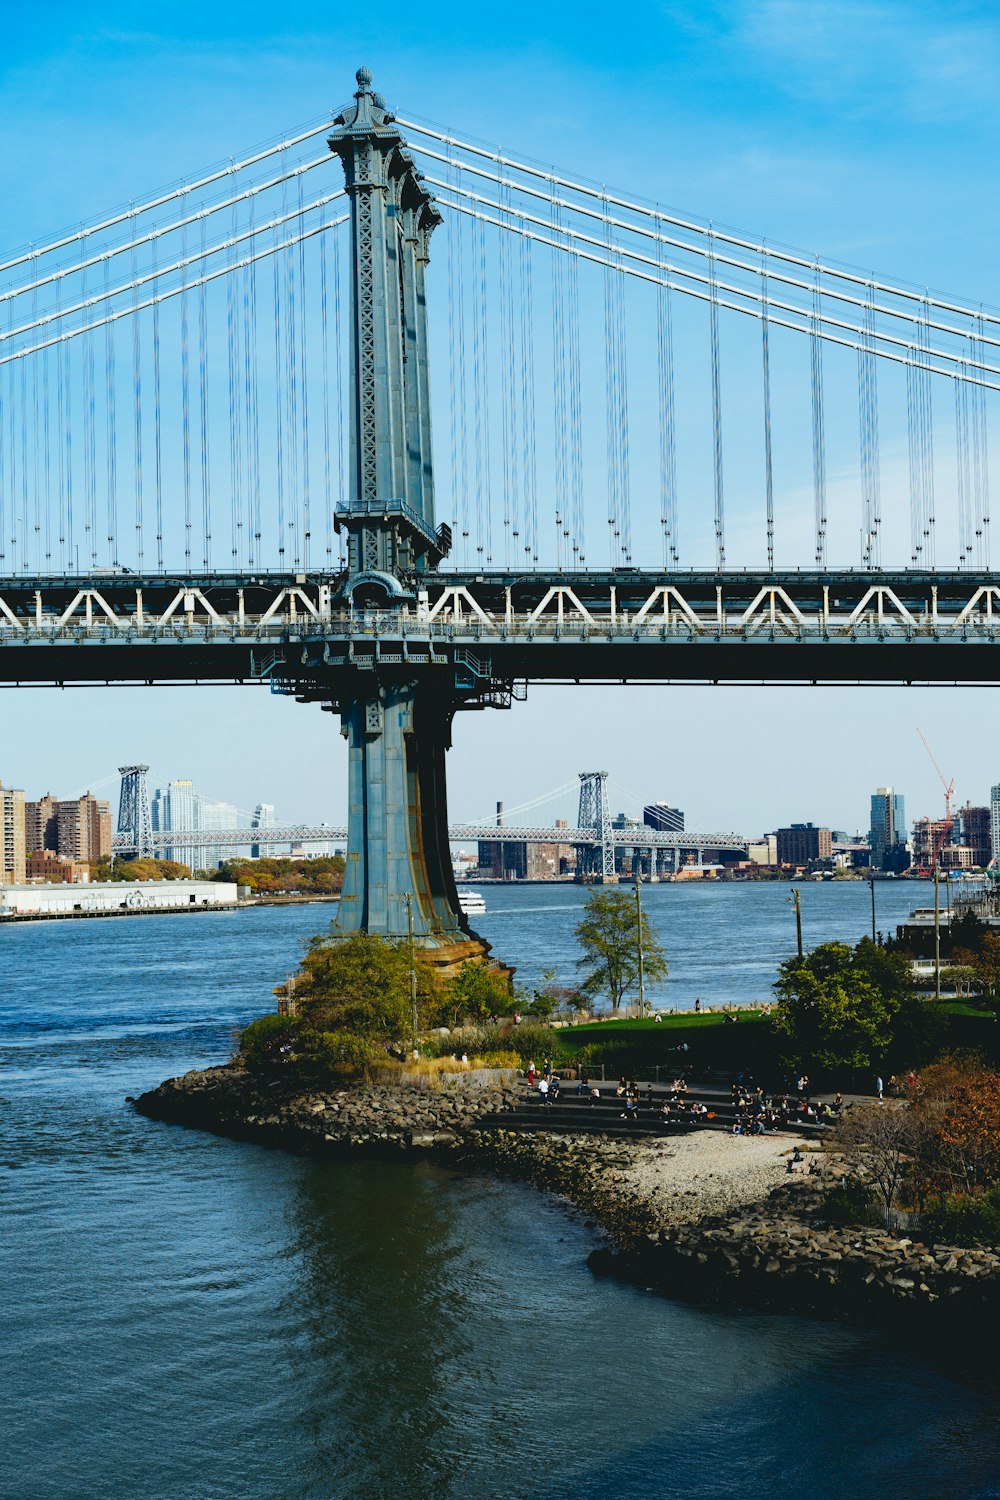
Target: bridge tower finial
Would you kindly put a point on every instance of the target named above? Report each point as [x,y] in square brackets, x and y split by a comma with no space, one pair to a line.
[388,513]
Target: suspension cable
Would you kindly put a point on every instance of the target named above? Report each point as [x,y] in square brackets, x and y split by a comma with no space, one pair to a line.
[709,233]
[909,357]
[156,274]
[902,341]
[35,252]
[765,347]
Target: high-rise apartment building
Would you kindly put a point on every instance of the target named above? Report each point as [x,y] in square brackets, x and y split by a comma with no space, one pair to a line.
[888,830]
[930,835]
[974,833]
[83,829]
[12,849]
[802,843]
[180,808]
[662,816]
[41,824]
[263,817]
[995,821]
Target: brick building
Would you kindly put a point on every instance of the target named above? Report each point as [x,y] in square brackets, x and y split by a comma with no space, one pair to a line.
[12,850]
[803,843]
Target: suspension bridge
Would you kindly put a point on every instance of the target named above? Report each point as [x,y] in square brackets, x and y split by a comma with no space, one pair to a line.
[667,451]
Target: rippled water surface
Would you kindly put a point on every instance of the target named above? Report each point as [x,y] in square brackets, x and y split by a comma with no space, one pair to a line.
[188,1317]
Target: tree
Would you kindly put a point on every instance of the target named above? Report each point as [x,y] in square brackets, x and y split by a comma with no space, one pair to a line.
[959,1096]
[146,868]
[986,964]
[477,991]
[838,1005]
[608,936]
[882,1140]
[353,995]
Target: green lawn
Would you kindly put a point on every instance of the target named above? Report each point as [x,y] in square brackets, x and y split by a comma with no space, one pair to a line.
[713,1045]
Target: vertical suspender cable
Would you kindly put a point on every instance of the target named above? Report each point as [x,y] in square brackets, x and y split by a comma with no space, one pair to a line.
[981,451]
[279,404]
[67,375]
[529,461]
[509,458]
[871,518]
[6,393]
[36,447]
[620,330]
[338,365]
[818,423]
[667,429]
[252,407]
[612,387]
[304,388]
[713,323]
[575,411]
[292,390]
[136,409]
[25,524]
[962,476]
[912,442]
[235,407]
[325,365]
[46,424]
[559,361]
[89,447]
[111,417]
[12,375]
[481,367]
[61,458]
[203,425]
[461,233]
[927,436]
[186,411]
[456,391]
[158,446]
[765,348]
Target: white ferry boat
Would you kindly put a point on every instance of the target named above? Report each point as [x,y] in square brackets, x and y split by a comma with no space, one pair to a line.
[472,903]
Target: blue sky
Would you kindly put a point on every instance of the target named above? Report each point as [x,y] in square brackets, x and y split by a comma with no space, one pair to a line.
[865,131]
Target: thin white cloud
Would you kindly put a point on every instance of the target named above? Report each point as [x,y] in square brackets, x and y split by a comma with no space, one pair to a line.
[866,57]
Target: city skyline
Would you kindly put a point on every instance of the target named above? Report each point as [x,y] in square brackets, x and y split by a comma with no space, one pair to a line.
[632,802]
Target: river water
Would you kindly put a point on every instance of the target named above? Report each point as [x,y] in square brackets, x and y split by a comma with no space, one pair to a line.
[189,1317]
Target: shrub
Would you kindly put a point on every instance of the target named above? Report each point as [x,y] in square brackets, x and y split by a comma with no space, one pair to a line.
[960,1219]
[851,1201]
[265,1043]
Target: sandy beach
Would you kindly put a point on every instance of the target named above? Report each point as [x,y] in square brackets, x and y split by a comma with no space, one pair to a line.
[710,1172]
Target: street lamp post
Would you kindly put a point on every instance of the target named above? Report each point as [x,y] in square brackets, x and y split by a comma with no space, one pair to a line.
[798,918]
[937,933]
[638,938]
[413,969]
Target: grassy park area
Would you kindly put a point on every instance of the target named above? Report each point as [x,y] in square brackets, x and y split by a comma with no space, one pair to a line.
[749,1042]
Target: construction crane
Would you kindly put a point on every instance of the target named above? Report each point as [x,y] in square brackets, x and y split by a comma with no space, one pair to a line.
[949,792]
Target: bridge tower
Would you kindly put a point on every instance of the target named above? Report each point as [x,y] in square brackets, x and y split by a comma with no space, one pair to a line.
[596,862]
[396,708]
[133,813]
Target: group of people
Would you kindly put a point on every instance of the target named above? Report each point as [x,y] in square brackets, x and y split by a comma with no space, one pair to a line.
[755,1111]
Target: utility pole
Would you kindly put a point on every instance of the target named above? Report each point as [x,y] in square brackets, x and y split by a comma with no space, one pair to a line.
[871,882]
[798,918]
[413,968]
[638,936]
[937,935]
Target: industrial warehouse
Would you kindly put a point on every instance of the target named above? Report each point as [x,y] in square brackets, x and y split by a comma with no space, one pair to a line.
[113,898]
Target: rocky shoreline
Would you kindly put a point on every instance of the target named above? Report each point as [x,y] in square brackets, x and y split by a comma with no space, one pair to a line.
[774,1252]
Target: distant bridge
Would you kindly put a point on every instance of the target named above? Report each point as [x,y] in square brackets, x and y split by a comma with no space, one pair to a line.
[458,833]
